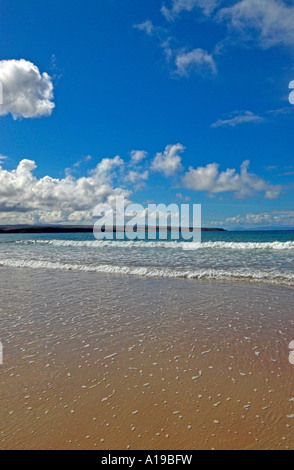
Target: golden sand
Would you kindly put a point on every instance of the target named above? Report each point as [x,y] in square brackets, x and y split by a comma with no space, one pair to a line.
[106,362]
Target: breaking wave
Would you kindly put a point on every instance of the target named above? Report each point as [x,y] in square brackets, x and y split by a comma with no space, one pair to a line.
[218,245]
[268,277]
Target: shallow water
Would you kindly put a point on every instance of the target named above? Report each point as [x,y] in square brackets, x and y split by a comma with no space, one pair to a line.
[266,257]
[117,362]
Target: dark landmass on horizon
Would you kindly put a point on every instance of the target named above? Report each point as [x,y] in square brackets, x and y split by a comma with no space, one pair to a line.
[11,229]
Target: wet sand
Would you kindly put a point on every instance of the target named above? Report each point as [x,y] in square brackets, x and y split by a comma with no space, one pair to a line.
[115,362]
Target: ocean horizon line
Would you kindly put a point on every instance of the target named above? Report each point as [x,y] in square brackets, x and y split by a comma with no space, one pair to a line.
[39,228]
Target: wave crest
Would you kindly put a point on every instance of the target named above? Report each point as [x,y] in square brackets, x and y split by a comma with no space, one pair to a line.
[218,245]
[268,277]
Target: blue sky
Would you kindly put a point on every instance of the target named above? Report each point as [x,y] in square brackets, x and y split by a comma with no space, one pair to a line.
[199,87]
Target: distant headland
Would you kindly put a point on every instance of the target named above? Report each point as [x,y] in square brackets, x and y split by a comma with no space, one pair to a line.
[11,229]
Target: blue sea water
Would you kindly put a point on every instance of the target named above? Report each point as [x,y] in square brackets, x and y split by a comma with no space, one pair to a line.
[255,256]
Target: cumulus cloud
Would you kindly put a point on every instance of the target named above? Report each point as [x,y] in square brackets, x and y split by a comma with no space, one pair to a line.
[198,59]
[137,156]
[262,219]
[24,198]
[242,184]
[49,199]
[107,165]
[169,162]
[136,177]
[242,118]
[178,6]
[271,22]
[26,92]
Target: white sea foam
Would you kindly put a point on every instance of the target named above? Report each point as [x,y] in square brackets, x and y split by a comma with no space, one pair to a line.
[280,246]
[289,245]
[269,277]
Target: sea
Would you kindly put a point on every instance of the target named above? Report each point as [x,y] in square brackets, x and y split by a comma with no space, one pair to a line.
[251,256]
[147,344]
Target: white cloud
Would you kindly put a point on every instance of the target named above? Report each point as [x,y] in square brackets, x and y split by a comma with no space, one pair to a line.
[183,198]
[168,162]
[45,217]
[24,198]
[182,60]
[136,177]
[108,165]
[85,159]
[243,184]
[80,216]
[137,156]
[262,219]
[247,117]
[78,164]
[50,199]
[202,178]
[271,22]
[178,6]
[242,118]
[199,59]
[264,22]
[147,27]
[26,92]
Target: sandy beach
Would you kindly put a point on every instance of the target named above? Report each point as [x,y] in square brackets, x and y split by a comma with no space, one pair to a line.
[95,361]
[146,227]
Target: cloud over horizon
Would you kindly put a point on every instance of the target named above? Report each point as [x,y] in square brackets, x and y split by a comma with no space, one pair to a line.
[262,219]
[24,197]
[57,199]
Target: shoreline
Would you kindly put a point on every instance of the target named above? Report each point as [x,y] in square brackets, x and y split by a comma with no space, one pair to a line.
[139,272]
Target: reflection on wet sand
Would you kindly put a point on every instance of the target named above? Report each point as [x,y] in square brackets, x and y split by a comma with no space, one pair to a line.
[107,362]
